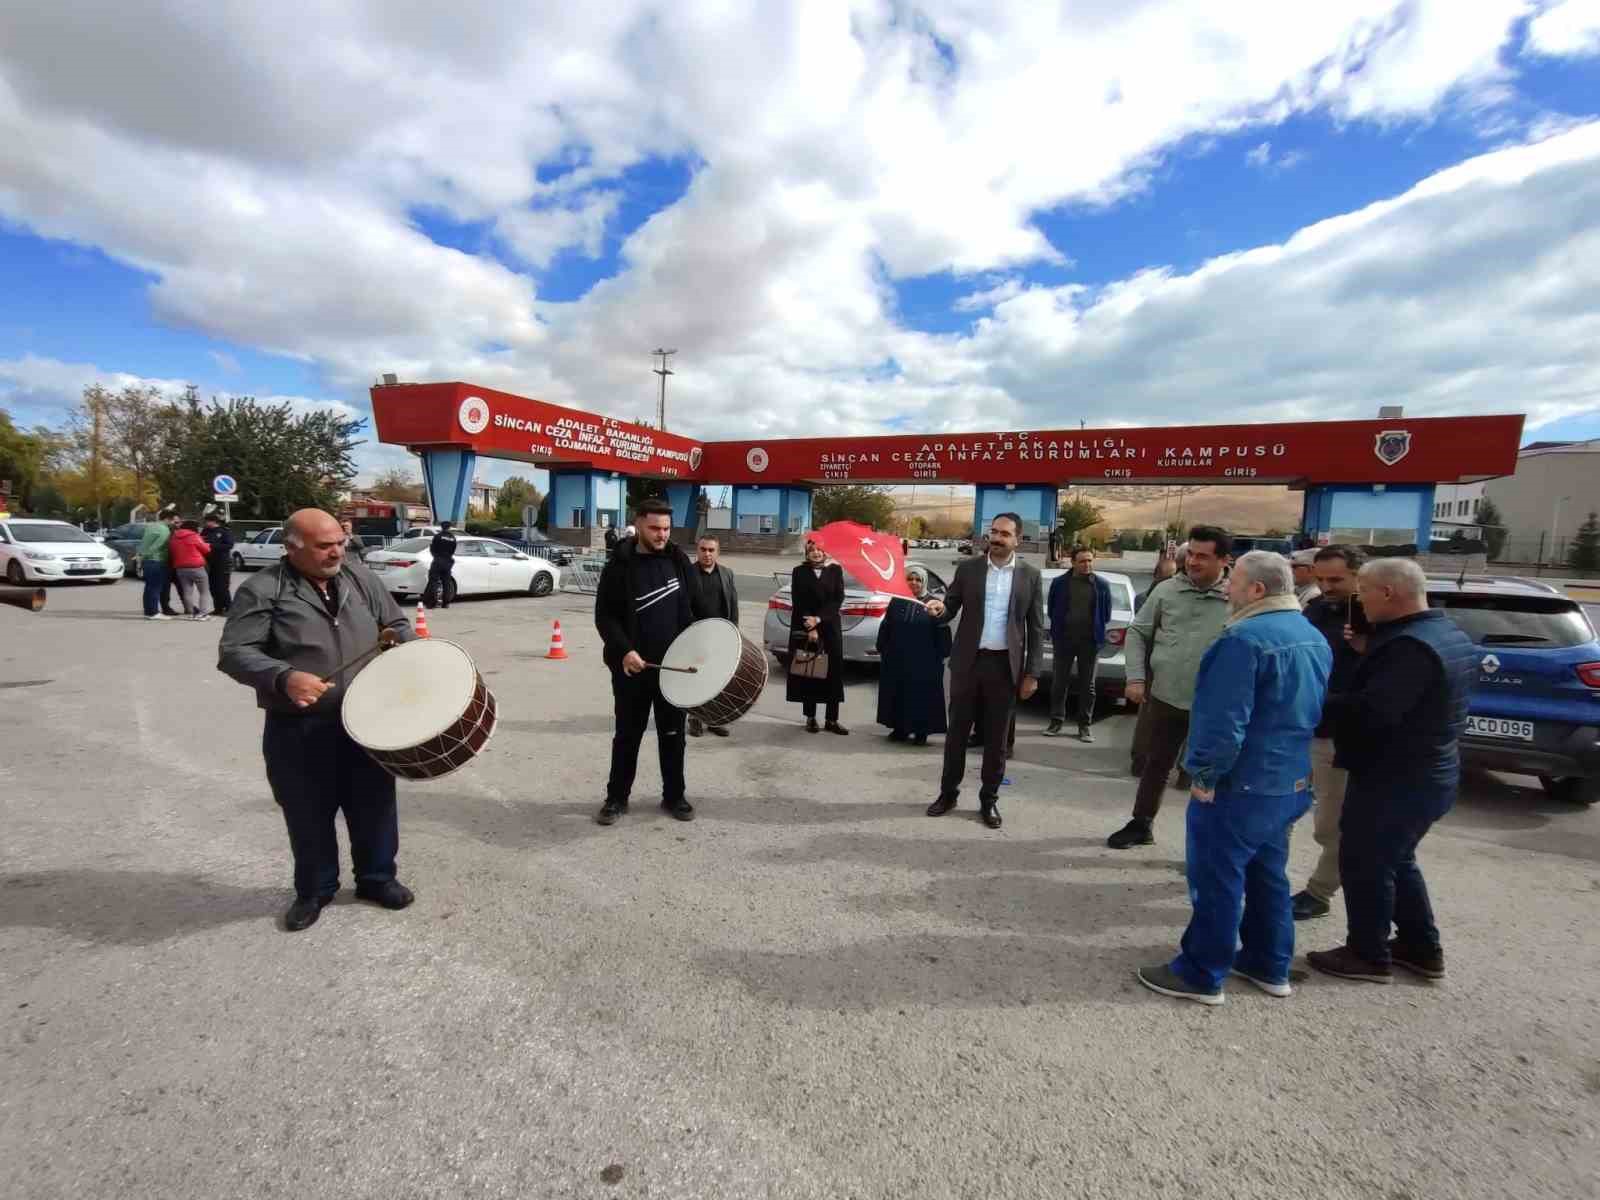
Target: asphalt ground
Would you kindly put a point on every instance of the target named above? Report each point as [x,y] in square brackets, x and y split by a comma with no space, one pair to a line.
[811,991]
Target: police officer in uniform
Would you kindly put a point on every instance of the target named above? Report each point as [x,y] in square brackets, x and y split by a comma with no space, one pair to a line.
[443,550]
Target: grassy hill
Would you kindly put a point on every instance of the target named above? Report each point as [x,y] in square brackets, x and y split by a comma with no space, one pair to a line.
[1241,508]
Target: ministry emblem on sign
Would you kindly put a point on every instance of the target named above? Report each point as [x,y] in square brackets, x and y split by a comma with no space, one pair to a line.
[473,414]
[695,457]
[1392,446]
[757,460]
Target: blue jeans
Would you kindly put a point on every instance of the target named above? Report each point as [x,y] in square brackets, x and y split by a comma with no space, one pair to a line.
[1383,887]
[1238,852]
[155,578]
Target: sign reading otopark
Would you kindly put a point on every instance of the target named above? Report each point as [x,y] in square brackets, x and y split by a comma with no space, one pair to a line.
[1392,450]
[1388,450]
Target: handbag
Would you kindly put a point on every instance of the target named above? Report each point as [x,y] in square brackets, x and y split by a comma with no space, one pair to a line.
[809,664]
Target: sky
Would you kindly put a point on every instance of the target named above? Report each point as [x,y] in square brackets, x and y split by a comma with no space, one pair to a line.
[846,217]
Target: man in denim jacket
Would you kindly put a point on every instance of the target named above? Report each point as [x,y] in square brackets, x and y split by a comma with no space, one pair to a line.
[1258,700]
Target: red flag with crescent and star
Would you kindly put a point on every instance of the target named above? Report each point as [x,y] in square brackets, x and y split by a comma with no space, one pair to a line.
[876,560]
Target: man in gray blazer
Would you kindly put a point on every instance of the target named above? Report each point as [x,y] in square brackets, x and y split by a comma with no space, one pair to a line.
[999,651]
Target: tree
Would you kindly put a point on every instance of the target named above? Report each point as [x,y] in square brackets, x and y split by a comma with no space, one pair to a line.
[1077,514]
[866,504]
[516,493]
[1585,552]
[542,523]
[1494,531]
[397,483]
[24,458]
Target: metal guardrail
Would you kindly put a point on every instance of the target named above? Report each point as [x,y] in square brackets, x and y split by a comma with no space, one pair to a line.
[583,574]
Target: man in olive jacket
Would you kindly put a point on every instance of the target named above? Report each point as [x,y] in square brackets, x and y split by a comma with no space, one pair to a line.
[290,628]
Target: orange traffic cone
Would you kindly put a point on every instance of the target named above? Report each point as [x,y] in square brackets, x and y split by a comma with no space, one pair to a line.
[422,621]
[558,648]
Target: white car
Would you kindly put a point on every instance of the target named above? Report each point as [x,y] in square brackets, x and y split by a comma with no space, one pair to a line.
[36,551]
[482,566]
[262,550]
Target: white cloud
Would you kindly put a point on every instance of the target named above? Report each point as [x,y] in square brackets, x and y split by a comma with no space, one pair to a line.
[989,297]
[1259,155]
[1261,158]
[1567,28]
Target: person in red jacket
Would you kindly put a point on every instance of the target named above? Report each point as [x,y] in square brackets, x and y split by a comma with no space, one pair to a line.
[186,555]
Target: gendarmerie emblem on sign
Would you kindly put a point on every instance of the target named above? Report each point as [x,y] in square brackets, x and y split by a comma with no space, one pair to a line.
[695,457]
[1392,446]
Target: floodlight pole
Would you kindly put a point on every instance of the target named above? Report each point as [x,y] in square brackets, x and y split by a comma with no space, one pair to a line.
[663,370]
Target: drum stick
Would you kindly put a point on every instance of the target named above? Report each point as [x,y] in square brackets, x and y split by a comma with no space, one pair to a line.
[679,670]
[385,640]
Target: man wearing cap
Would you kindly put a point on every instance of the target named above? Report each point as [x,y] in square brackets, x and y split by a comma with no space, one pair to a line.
[1304,563]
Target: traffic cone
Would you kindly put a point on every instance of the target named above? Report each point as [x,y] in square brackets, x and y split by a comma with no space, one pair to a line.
[558,648]
[422,621]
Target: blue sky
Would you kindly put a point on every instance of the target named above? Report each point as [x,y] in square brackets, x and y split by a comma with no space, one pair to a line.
[756,242]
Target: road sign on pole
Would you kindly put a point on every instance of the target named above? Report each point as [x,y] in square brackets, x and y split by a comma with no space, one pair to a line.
[225,486]
[530,515]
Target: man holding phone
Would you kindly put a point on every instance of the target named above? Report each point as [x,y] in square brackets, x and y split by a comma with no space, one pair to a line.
[1336,607]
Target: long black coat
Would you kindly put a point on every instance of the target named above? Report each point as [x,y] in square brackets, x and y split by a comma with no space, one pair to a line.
[822,597]
[912,648]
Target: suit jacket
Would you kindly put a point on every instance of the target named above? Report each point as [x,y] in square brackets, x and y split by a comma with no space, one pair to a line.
[1025,628]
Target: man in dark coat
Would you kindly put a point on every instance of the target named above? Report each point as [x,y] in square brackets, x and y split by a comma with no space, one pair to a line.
[219,562]
[646,597]
[1078,609]
[912,648]
[1397,730]
[442,552]
[997,657]
[719,597]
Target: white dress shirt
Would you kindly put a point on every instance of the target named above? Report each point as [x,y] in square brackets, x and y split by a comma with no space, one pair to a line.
[997,605]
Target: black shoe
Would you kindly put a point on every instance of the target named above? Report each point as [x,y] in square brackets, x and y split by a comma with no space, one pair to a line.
[1134,833]
[1084,735]
[610,811]
[812,726]
[1167,982]
[391,893]
[695,727]
[681,809]
[1307,906]
[1427,963]
[941,806]
[920,740]
[303,913]
[990,816]
[1345,963]
[717,730]
[1054,728]
[898,735]
[835,727]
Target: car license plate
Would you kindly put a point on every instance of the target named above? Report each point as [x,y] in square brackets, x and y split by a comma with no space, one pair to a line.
[1500,727]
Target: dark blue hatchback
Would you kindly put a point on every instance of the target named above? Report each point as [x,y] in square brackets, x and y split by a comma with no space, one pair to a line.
[1536,706]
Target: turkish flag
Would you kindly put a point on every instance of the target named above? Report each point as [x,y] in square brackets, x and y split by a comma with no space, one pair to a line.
[874,559]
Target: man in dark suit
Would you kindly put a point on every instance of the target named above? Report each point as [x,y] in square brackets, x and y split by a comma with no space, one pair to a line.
[999,651]
[719,596]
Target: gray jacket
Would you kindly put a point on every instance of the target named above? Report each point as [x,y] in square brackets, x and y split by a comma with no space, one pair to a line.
[1170,634]
[278,623]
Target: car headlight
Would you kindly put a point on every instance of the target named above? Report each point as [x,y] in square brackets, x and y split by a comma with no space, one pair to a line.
[38,556]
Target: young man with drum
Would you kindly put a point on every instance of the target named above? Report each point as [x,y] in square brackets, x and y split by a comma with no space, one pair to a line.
[291,628]
[647,596]
[719,597]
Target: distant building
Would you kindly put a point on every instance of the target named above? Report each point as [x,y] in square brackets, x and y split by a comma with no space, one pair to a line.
[1555,487]
[485,497]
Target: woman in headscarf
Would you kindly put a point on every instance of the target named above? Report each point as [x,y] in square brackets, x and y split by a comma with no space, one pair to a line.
[817,588]
[912,648]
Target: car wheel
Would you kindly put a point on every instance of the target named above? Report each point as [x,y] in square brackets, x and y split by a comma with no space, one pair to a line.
[1574,789]
[541,585]
[238,561]
[14,575]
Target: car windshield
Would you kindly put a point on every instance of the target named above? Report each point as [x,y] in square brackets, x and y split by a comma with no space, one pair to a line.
[1544,621]
[410,545]
[44,531]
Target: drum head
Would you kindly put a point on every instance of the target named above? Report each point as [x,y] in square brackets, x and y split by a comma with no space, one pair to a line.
[711,646]
[409,694]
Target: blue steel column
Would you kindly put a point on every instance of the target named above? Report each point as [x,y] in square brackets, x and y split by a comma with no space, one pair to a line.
[447,474]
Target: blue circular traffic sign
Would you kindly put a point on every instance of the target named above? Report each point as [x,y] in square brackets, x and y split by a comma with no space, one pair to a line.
[224,485]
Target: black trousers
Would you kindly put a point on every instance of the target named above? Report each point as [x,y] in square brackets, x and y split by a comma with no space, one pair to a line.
[635,697]
[438,574]
[1167,729]
[221,580]
[1083,654]
[315,771]
[988,685]
[1383,886]
[809,707]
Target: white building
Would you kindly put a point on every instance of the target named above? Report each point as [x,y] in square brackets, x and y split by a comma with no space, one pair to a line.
[1455,509]
[1555,487]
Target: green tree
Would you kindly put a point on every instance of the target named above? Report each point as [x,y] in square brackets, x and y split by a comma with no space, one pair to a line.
[1076,515]
[866,504]
[515,494]
[1494,531]
[543,522]
[397,483]
[24,458]
[1585,552]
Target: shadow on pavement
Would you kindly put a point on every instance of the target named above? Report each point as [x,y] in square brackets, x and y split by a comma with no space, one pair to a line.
[130,907]
[985,854]
[1036,905]
[526,825]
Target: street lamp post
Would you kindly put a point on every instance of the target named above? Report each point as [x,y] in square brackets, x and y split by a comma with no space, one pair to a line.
[663,370]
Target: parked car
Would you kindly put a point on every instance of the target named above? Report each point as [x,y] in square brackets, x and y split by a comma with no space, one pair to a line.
[860,615]
[40,551]
[1535,709]
[262,550]
[1242,545]
[1111,676]
[483,566]
[536,545]
[125,539]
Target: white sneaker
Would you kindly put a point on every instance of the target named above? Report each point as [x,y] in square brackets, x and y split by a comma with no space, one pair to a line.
[1280,990]
[158,617]
[203,617]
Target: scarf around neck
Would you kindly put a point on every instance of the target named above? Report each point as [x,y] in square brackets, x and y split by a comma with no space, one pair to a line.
[1266,604]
